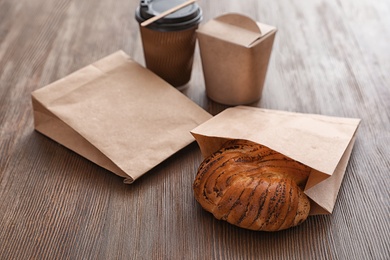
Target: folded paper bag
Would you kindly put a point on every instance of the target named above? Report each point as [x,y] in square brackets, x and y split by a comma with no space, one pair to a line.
[118,115]
[321,142]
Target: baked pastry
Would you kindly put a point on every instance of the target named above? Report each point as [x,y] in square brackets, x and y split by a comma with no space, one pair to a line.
[253,187]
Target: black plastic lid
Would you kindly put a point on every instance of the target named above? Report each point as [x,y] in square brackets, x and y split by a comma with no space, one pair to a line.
[182,19]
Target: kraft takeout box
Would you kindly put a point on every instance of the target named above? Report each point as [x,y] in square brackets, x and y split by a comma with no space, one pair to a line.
[323,143]
[235,52]
[118,115]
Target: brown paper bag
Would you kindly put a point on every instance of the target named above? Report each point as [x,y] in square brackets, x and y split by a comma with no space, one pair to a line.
[117,114]
[321,142]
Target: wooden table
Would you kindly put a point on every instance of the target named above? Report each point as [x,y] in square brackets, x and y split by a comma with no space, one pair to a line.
[329,57]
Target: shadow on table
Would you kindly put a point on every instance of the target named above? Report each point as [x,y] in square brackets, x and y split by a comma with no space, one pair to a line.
[306,241]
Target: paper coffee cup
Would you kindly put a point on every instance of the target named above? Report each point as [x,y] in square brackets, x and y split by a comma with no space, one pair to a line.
[169,42]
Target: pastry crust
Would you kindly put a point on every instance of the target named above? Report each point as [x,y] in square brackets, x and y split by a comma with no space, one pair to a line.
[253,187]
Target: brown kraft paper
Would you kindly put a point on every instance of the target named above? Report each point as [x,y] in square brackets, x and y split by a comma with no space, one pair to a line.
[118,115]
[235,51]
[323,143]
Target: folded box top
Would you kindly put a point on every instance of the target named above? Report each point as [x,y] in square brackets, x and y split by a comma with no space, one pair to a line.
[237,29]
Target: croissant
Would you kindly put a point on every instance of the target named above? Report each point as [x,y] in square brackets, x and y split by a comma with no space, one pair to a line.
[253,187]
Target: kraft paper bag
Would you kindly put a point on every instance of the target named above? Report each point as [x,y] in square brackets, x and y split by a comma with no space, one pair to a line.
[323,143]
[118,115]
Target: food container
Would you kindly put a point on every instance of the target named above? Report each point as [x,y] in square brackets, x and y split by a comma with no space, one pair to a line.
[235,51]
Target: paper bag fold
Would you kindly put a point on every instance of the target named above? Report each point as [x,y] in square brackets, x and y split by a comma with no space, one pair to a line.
[321,142]
[117,114]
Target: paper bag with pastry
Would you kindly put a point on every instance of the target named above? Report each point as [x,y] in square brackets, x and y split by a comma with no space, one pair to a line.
[291,164]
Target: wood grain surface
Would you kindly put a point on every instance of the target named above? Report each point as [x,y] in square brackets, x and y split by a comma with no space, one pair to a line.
[329,57]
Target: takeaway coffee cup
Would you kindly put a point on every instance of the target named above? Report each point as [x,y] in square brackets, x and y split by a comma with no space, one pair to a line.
[169,42]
